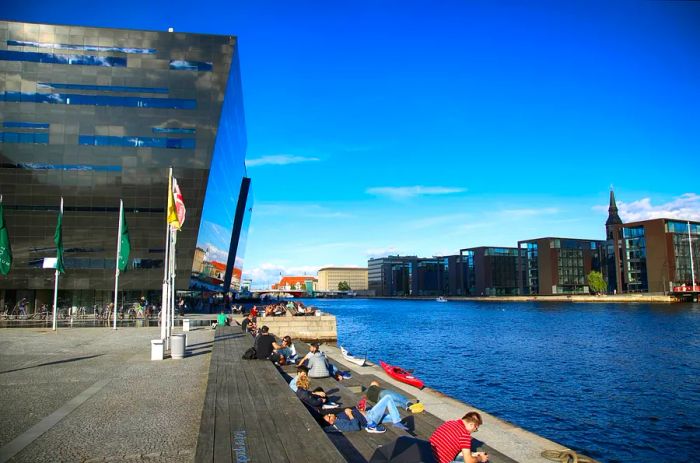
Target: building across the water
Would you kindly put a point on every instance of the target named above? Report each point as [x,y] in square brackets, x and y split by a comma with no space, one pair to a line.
[297,283]
[330,277]
[490,271]
[95,115]
[658,255]
[558,265]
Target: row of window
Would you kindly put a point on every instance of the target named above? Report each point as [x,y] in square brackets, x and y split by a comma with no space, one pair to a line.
[99,100]
[55,58]
[25,125]
[21,137]
[44,166]
[137,142]
[67,46]
[139,210]
[94,60]
[100,264]
[673,226]
[184,65]
[103,88]
[174,130]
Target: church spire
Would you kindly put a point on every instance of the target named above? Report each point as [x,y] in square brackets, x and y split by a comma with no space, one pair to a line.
[613,218]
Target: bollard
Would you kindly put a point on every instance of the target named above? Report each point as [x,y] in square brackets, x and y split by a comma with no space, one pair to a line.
[177,346]
[185,324]
[156,349]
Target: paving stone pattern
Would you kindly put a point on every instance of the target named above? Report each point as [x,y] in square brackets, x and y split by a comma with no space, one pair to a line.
[148,411]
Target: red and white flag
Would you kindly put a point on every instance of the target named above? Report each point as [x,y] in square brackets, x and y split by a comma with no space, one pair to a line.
[176,206]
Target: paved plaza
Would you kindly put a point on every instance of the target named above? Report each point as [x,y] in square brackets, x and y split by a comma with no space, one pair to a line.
[93,394]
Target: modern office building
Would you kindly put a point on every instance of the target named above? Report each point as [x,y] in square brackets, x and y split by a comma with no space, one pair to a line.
[95,115]
[558,265]
[491,271]
[391,275]
[658,255]
[415,276]
[330,277]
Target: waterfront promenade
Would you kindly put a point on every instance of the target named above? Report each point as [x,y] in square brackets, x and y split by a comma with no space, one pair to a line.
[93,394]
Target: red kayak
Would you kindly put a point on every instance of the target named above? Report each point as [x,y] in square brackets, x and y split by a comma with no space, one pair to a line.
[402,375]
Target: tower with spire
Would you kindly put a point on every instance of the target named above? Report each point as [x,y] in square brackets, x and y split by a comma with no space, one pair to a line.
[613,217]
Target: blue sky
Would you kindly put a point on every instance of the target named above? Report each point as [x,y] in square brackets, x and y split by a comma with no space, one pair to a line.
[416,128]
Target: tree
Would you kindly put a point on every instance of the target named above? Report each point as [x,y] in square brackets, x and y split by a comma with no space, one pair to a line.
[596,282]
[343,286]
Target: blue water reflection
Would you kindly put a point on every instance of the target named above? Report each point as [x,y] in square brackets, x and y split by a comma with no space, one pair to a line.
[617,382]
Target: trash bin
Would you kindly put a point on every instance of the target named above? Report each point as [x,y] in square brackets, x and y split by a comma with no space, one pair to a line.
[156,349]
[177,346]
[185,324]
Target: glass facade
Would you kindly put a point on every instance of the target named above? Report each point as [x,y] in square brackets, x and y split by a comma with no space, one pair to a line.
[105,123]
[635,259]
[686,249]
[532,285]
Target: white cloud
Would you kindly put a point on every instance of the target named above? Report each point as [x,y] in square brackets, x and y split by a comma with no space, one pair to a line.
[686,206]
[407,192]
[215,254]
[278,160]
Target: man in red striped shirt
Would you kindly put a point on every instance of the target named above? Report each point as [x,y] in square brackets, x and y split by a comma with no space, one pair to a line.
[453,437]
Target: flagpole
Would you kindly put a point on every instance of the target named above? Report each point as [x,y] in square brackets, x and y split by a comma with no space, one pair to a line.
[55,286]
[116,262]
[165,297]
[173,262]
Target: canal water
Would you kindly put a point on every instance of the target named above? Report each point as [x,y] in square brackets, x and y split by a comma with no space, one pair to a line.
[618,382]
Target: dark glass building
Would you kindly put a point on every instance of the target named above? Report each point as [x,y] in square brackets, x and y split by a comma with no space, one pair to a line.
[491,271]
[404,276]
[96,115]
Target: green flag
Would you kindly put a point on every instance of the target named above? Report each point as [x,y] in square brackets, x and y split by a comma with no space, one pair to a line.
[58,239]
[125,247]
[5,250]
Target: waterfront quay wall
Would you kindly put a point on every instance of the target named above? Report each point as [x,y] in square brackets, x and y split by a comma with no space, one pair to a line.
[603,298]
[312,328]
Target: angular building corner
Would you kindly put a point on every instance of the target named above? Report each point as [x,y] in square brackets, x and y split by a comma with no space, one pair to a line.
[95,115]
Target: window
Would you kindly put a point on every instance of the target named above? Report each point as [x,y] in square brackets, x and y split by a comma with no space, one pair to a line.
[184,65]
[173,130]
[21,137]
[99,100]
[66,46]
[103,88]
[137,142]
[25,125]
[54,58]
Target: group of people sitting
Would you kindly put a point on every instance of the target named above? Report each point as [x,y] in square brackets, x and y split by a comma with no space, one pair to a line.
[451,441]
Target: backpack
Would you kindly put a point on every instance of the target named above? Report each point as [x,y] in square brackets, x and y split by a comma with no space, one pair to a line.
[250,354]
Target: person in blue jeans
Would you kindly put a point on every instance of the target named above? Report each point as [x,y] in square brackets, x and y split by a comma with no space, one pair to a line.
[354,420]
[375,393]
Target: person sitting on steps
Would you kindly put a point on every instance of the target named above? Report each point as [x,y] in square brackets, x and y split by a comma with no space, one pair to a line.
[319,366]
[375,393]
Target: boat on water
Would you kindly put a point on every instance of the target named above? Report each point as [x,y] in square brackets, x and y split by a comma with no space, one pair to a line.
[441,299]
[402,375]
[351,358]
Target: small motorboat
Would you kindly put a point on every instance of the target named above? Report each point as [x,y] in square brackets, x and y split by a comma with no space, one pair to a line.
[351,358]
[441,299]
[402,375]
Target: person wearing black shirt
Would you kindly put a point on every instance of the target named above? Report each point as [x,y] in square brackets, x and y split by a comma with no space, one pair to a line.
[248,323]
[265,343]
